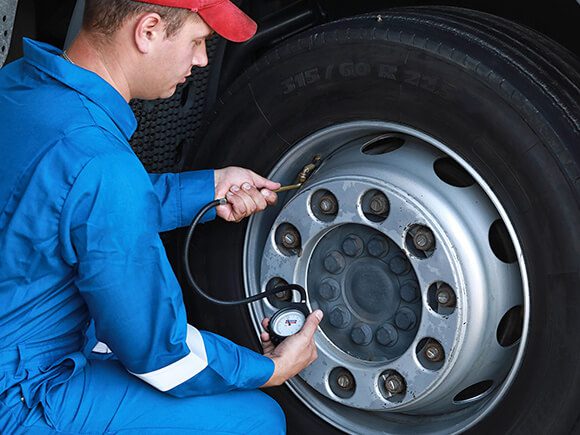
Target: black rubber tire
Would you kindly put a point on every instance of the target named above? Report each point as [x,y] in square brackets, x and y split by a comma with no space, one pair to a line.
[505,98]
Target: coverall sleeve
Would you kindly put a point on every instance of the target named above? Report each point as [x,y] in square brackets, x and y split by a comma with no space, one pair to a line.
[182,195]
[109,229]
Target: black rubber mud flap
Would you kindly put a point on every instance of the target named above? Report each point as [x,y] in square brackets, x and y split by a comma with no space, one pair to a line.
[503,97]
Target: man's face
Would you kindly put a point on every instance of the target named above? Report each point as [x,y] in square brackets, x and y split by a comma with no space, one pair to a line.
[176,56]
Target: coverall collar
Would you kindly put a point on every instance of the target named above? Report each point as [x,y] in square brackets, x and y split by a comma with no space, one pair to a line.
[47,58]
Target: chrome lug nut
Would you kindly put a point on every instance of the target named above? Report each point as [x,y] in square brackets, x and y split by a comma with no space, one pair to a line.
[423,239]
[352,246]
[395,384]
[291,239]
[334,262]
[379,204]
[345,381]
[339,317]
[328,204]
[446,296]
[361,334]
[285,295]
[434,351]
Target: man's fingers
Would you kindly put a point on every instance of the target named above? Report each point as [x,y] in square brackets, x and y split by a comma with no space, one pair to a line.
[238,204]
[271,197]
[311,324]
[256,196]
[265,322]
[261,182]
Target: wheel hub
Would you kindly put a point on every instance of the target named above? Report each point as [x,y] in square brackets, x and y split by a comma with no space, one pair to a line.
[365,284]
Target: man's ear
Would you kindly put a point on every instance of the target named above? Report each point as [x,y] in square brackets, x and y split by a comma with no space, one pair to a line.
[149,28]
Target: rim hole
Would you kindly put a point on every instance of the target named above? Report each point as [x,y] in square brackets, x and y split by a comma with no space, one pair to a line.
[420,241]
[383,145]
[375,205]
[511,326]
[288,239]
[450,172]
[341,382]
[324,205]
[430,353]
[392,386]
[501,243]
[474,392]
[442,298]
[279,300]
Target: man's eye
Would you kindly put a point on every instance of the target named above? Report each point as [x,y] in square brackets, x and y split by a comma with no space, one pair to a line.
[197,42]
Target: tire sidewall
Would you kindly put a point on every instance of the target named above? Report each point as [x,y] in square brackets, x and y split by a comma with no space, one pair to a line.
[295,94]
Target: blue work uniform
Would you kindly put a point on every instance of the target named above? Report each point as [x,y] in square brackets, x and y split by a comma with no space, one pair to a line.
[79,243]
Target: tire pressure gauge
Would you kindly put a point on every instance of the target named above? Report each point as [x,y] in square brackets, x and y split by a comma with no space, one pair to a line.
[287,321]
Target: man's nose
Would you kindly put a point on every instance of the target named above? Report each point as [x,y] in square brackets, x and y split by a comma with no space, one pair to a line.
[200,57]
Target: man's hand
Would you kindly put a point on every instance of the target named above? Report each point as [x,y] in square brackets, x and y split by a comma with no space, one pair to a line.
[294,354]
[247,192]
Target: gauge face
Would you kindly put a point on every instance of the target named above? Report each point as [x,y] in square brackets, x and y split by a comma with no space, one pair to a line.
[288,322]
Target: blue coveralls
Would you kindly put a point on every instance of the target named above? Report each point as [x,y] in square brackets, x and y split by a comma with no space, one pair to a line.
[79,224]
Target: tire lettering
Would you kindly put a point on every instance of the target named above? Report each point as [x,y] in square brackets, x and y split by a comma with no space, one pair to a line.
[300,80]
[387,71]
[351,69]
[411,77]
[329,70]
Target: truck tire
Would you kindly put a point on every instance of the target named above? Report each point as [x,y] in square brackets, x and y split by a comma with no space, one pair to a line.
[446,254]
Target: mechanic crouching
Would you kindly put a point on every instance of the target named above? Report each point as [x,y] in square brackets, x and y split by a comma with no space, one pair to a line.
[79,240]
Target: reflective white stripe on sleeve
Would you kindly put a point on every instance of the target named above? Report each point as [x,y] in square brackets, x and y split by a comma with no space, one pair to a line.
[101,348]
[176,373]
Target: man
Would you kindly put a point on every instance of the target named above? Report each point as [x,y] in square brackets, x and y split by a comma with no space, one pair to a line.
[79,224]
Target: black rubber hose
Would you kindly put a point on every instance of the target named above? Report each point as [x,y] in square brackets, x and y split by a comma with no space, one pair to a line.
[201,292]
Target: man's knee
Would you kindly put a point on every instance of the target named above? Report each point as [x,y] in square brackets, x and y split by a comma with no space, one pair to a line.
[269,415]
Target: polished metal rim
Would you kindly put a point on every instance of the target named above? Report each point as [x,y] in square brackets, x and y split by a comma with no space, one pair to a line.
[421,363]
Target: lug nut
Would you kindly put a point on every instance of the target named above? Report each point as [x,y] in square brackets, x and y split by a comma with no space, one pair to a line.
[285,295]
[446,296]
[334,262]
[345,381]
[423,239]
[361,334]
[434,351]
[395,384]
[387,335]
[291,239]
[328,204]
[379,204]
[377,247]
[405,319]
[399,265]
[328,289]
[409,292]
[352,246]
[339,317]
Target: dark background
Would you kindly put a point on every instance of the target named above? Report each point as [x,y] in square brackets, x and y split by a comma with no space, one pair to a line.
[47,20]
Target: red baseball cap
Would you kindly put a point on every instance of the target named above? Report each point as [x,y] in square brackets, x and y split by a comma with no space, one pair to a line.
[221,15]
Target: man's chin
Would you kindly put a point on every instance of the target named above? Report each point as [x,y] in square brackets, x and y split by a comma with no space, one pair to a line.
[169,93]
